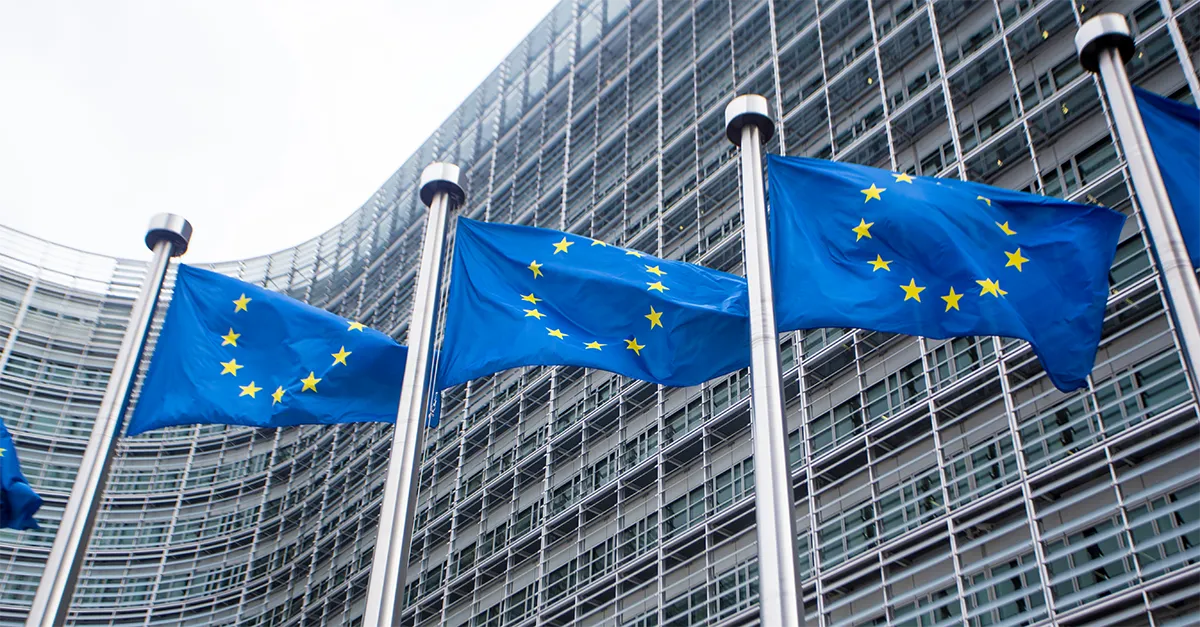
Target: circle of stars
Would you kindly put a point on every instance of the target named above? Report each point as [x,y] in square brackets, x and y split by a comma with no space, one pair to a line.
[309,383]
[988,286]
[563,246]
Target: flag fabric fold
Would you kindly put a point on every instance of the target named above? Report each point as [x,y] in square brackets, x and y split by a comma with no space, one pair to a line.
[237,354]
[526,296]
[854,246]
[18,501]
[1174,131]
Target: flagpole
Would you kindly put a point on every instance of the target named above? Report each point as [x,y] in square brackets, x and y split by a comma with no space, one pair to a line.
[748,124]
[1104,46]
[441,191]
[168,236]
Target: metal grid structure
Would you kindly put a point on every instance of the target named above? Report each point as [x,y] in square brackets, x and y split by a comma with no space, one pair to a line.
[937,482]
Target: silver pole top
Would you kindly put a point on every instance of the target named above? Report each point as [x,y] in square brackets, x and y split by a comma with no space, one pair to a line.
[441,177]
[171,228]
[748,109]
[1107,30]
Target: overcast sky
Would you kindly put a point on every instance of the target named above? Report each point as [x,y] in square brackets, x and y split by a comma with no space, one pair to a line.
[264,123]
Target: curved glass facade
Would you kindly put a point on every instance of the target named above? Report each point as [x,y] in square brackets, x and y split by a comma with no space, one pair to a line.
[937,482]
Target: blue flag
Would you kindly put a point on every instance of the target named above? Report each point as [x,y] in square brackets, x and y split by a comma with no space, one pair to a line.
[1174,130]
[853,246]
[236,354]
[524,296]
[18,501]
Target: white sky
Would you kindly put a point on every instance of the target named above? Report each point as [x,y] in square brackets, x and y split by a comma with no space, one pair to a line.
[264,123]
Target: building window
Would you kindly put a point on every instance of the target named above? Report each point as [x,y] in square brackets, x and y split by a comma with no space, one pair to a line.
[679,515]
[897,391]
[733,484]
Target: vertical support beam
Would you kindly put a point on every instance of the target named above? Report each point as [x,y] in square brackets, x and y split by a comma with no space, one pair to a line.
[748,125]
[168,236]
[441,192]
[1104,46]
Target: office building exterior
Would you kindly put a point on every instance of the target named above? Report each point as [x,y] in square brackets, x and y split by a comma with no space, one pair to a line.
[937,482]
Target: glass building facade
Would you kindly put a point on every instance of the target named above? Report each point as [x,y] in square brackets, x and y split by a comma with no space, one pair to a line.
[936,482]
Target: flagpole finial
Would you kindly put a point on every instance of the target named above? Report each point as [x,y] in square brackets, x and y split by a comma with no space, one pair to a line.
[1107,30]
[168,227]
[748,109]
[441,177]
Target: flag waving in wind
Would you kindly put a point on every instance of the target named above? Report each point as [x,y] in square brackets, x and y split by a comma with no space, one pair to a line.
[853,246]
[525,296]
[1174,131]
[237,354]
[18,501]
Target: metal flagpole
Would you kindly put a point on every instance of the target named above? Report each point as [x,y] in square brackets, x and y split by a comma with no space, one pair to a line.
[1104,46]
[748,125]
[439,190]
[168,236]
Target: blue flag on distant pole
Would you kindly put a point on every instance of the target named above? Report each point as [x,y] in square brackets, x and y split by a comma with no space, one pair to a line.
[236,354]
[1174,131]
[853,246]
[18,501]
[525,296]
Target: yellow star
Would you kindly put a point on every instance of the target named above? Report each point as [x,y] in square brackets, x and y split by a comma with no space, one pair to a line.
[1004,227]
[1015,259]
[534,313]
[230,367]
[863,229]
[240,304]
[912,291]
[597,242]
[530,298]
[879,263]
[634,253]
[340,357]
[561,247]
[249,390]
[903,177]
[310,383]
[356,326]
[657,285]
[952,299]
[987,200]
[634,346]
[655,318]
[595,345]
[2,451]
[991,287]
[277,396]
[556,333]
[655,270]
[230,338]
[873,192]
[537,269]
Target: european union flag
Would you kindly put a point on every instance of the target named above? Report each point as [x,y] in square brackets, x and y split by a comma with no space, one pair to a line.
[18,501]
[1174,130]
[237,354]
[524,296]
[853,246]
